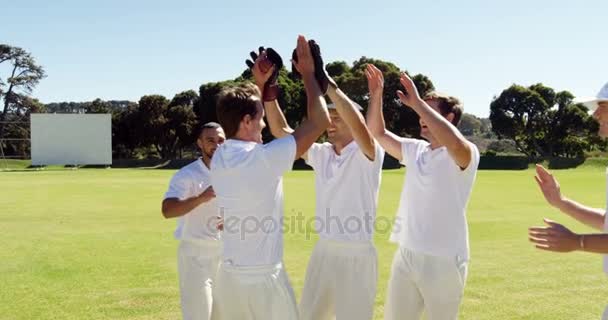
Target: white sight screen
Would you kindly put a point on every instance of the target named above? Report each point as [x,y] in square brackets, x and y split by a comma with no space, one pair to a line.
[71,139]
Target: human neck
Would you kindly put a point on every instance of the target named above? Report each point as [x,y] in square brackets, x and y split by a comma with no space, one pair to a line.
[340,145]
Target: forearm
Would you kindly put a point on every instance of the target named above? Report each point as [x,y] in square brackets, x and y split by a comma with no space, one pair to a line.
[173,207]
[315,104]
[591,217]
[389,141]
[446,133]
[596,243]
[375,116]
[349,112]
[276,119]
[345,107]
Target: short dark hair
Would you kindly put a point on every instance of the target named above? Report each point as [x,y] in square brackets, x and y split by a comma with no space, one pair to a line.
[209,125]
[233,104]
[447,104]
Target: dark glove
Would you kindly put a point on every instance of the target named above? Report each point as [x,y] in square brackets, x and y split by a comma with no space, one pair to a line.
[323,79]
[271,87]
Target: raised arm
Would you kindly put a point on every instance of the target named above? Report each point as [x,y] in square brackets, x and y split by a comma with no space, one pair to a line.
[318,118]
[375,118]
[276,119]
[550,188]
[445,132]
[349,112]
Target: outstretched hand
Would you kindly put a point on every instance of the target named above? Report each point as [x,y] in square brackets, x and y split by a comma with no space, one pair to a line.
[554,237]
[410,96]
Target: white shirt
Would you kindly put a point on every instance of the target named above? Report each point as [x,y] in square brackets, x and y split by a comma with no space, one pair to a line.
[347,191]
[431,217]
[200,223]
[248,182]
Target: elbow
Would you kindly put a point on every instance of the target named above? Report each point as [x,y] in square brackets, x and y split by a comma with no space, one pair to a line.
[165,211]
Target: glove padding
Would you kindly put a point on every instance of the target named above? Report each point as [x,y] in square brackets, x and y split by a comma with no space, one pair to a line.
[323,79]
[271,87]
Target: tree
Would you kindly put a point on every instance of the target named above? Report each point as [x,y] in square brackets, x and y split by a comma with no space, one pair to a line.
[24,75]
[399,119]
[124,132]
[204,106]
[98,106]
[541,122]
[18,127]
[164,126]
[469,125]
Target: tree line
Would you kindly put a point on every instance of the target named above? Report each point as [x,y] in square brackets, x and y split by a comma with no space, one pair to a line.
[536,121]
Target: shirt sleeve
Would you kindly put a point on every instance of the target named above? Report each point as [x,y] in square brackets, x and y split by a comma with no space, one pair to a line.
[380,153]
[474,164]
[179,187]
[313,155]
[280,154]
[409,148]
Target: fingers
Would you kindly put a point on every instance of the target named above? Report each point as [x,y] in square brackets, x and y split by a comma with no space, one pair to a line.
[300,47]
[552,223]
[542,172]
[542,231]
[254,56]
[406,81]
[539,181]
[544,241]
[402,97]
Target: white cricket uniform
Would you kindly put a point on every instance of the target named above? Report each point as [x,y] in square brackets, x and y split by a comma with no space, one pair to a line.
[248,181]
[342,272]
[199,248]
[430,267]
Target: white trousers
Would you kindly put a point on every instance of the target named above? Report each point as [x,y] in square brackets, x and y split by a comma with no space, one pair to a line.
[421,282]
[253,293]
[197,263]
[340,281]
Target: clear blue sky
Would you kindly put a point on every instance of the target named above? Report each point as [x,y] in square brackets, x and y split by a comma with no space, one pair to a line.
[472,49]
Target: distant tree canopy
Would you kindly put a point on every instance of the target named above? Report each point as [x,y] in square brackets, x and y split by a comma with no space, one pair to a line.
[535,120]
[544,123]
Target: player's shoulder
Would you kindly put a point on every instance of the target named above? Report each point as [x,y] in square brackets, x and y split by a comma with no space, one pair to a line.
[189,170]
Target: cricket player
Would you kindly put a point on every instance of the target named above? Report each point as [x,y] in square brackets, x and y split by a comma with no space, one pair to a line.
[247,177]
[191,200]
[343,270]
[430,267]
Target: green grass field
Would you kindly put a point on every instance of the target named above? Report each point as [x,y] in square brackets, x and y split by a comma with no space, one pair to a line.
[92,244]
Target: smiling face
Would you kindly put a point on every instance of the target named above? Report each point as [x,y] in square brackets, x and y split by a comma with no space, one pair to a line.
[209,140]
[338,131]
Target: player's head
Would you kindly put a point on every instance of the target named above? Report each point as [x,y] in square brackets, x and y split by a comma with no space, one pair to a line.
[601,116]
[338,131]
[209,137]
[241,113]
[598,105]
[448,106]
